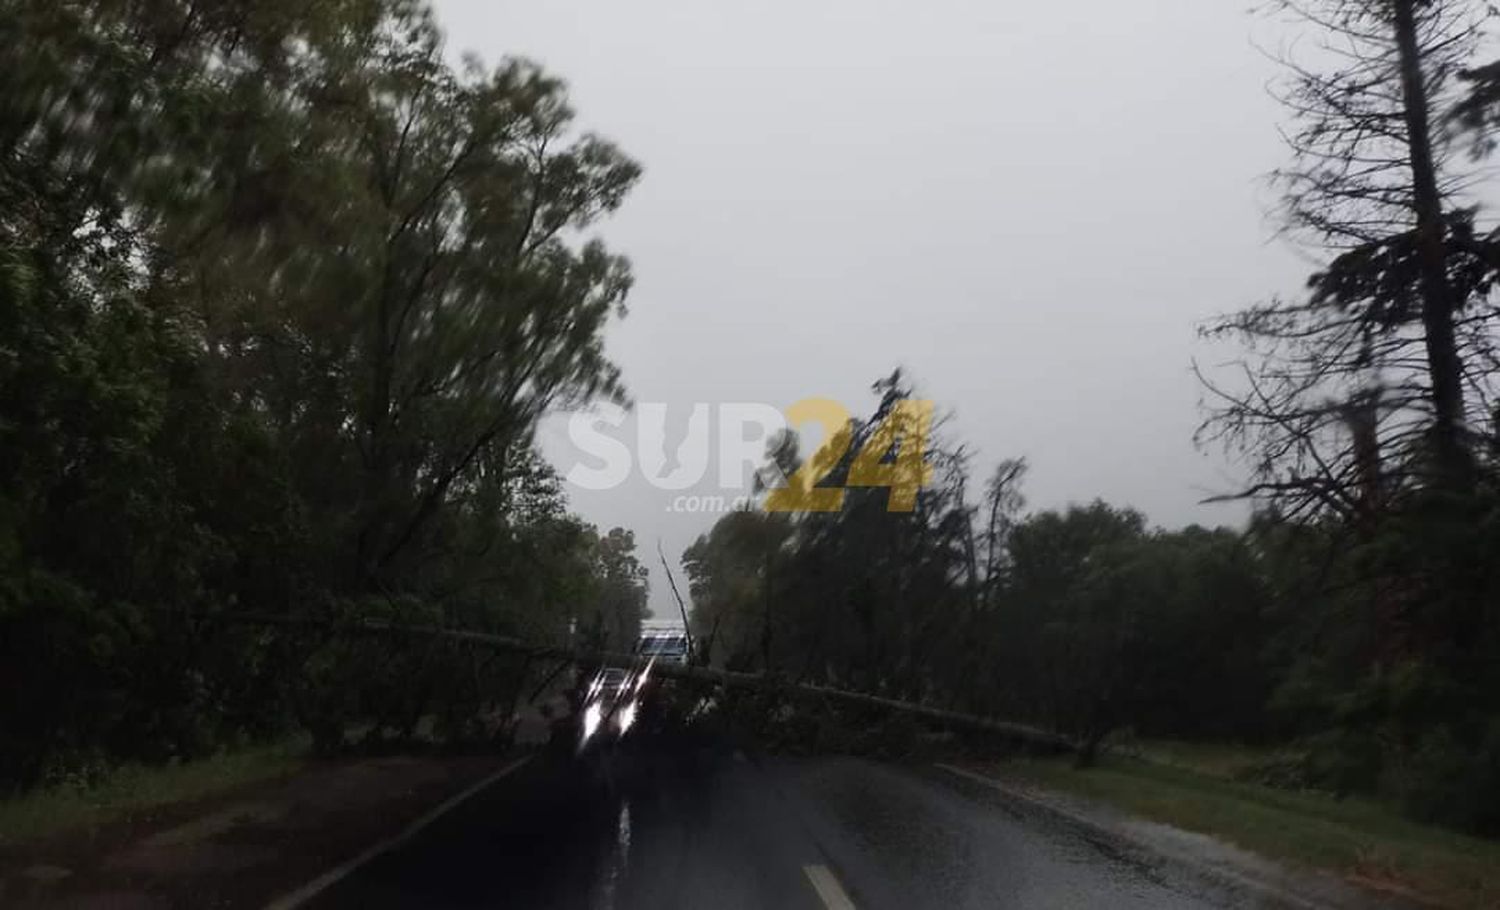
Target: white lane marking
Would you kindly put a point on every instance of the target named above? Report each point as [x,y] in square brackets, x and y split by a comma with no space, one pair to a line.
[978,778]
[828,888]
[315,887]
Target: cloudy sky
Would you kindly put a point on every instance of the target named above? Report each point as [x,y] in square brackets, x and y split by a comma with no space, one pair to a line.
[1029,206]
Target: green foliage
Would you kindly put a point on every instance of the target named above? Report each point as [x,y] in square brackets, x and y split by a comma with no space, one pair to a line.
[79,803]
[727,571]
[620,598]
[1453,778]
[282,297]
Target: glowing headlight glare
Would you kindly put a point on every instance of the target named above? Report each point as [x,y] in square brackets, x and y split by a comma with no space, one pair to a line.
[627,717]
[591,720]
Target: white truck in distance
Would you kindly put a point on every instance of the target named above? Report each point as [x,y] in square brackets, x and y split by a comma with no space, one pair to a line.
[664,643]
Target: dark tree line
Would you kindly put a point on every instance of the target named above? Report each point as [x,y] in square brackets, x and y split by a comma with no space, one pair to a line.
[1084,619]
[282,297]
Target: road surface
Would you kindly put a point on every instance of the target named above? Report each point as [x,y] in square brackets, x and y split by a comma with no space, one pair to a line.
[702,826]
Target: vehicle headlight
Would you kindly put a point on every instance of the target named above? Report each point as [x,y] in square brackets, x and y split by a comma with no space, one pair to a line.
[626,717]
[591,716]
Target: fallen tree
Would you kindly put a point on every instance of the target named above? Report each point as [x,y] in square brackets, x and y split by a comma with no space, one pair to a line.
[1022,734]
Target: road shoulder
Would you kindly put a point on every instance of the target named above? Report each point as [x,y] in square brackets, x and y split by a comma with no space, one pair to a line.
[1260,880]
[240,848]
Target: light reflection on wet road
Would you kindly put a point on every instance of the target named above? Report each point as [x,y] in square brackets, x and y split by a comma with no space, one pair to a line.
[657,826]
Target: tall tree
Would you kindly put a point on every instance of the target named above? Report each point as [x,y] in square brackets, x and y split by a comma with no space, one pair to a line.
[1395,324]
[611,617]
[1356,402]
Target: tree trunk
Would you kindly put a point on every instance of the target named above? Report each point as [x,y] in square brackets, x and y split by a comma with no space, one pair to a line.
[1444,368]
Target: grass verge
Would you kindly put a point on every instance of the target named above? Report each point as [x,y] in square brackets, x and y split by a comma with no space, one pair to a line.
[1362,840]
[132,789]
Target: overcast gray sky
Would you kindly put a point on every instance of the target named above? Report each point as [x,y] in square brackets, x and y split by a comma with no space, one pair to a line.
[1029,206]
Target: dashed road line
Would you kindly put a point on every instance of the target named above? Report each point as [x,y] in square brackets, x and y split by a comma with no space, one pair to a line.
[833,895]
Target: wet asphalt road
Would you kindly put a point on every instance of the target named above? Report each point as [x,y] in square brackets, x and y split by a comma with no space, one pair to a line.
[672,825]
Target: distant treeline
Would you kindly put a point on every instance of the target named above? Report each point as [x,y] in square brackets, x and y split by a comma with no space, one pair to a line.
[1089,621]
[282,296]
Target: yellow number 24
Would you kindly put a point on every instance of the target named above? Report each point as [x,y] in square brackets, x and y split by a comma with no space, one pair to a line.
[895,457]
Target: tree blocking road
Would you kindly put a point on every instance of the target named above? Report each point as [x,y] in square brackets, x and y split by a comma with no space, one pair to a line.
[1021,734]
